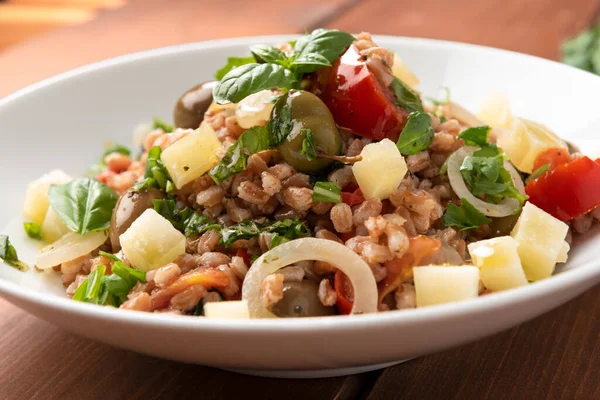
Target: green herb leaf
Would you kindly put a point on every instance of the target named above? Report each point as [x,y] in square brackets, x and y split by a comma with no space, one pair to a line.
[416,135]
[465,217]
[116,148]
[583,51]
[308,144]
[251,78]
[33,230]
[185,220]
[155,175]
[158,123]
[406,97]
[476,136]
[538,172]
[327,192]
[92,290]
[287,228]
[8,254]
[319,49]
[233,62]
[85,205]
[235,159]
[269,54]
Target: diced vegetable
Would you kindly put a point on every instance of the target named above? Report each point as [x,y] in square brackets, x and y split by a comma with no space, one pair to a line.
[568,191]
[381,170]
[359,102]
[357,270]
[255,109]
[36,199]
[444,284]
[53,227]
[152,242]
[192,156]
[402,72]
[540,238]
[227,309]
[552,158]
[499,264]
[69,247]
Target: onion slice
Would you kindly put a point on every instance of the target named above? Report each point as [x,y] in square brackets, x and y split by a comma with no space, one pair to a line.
[347,261]
[506,207]
[227,309]
[69,247]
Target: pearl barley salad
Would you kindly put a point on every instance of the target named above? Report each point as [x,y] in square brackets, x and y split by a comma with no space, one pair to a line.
[312,178]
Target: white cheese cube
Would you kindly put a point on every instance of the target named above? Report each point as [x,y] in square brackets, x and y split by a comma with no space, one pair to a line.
[442,284]
[192,156]
[381,169]
[53,227]
[36,201]
[227,309]
[499,264]
[540,237]
[152,241]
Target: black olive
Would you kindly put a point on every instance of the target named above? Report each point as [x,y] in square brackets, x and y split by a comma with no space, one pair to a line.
[301,299]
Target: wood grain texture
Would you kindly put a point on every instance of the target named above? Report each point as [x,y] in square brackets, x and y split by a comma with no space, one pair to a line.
[554,356]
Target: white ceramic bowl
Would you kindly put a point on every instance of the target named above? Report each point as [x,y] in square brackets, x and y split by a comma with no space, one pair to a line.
[63,122]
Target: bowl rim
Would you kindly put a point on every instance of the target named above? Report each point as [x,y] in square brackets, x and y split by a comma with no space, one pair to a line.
[540,289]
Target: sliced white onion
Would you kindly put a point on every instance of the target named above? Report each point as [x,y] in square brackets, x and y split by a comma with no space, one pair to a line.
[516,178]
[69,247]
[227,309]
[506,207]
[347,261]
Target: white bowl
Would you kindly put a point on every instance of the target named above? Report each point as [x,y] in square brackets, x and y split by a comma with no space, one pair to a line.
[63,122]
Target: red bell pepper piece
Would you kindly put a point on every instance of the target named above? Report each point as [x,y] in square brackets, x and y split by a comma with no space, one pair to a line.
[344,293]
[554,157]
[359,102]
[354,198]
[568,191]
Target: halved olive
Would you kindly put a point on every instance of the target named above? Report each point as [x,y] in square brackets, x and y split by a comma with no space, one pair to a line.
[504,225]
[191,106]
[129,207]
[307,112]
[301,299]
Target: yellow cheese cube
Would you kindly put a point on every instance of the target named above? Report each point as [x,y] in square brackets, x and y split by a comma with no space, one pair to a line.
[442,284]
[151,241]
[192,156]
[540,238]
[53,228]
[36,201]
[381,169]
[499,264]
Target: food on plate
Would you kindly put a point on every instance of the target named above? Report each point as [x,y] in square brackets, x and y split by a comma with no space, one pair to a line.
[310,179]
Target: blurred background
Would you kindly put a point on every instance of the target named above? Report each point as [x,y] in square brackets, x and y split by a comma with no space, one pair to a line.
[39,38]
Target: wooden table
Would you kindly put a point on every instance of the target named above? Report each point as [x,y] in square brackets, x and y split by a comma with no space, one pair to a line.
[554,356]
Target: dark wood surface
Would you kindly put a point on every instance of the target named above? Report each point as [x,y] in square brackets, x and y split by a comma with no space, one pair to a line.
[553,356]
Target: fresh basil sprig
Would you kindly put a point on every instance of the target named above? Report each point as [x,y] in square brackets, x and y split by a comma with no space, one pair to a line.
[327,192]
[416,135]
[233,62]
[85,205]
[274,69]
[464,217]
[8,254]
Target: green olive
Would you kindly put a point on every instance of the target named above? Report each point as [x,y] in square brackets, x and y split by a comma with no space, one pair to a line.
[191,106]
[301,299]
[129,207]
[503,226]
[308,112]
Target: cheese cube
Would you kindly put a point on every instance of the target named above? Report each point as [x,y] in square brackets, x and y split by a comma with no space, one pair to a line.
[540,239]
[36,201]
[53,227]
[499,264]
[437,285]
[152,241]
[227,309]
[381,169]
[192,156]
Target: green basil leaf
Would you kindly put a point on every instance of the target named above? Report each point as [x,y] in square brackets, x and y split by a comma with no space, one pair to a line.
[269,54]
[85,205]
[319,49]
[308,144]
[235,159]
[251,78]
[288,228]
[406,97]
[475,136]
[198,224]
[233,62]
[465,217]
[8,254]
[281,124]
[158,123]
[155,174]
[327,192]
[416,135]
[33,230]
